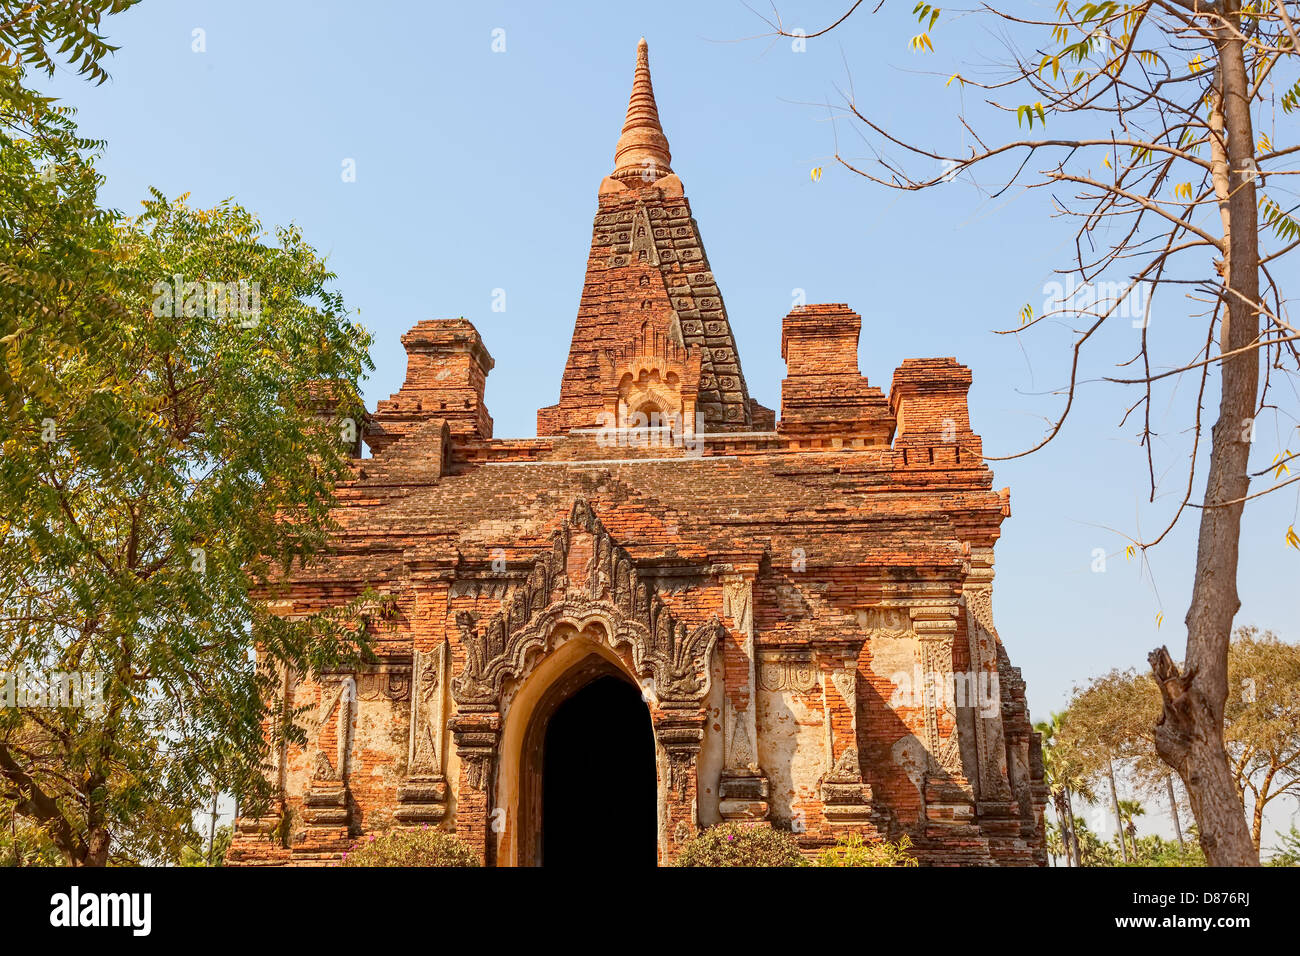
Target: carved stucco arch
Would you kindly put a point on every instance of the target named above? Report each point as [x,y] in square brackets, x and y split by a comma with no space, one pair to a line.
[664,651]
[575,658]
[612,600]
[678,669]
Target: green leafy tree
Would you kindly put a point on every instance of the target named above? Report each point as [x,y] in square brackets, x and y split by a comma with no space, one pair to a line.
[1155,851]
[1288,853]
[178,397]
[1112,718]
[1066,778]
[1057,846]
[1263,721]
[1129,811]
[37,36]
[22,844]
[1145,124]
[48,189]
[177,455]
[1093,850]
[198,853]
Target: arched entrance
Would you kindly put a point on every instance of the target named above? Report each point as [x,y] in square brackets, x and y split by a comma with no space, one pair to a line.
[598,779]
[588,784]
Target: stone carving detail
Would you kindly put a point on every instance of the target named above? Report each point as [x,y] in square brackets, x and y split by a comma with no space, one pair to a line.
[846,682]
[738,604]
[325,771]
[741,751]
[426,712]
[477,730]
[787,670]
[980,602]
[275,761]
[981,636]
[936,653]
[680,767]
[846,796]
[477,771]
[847,765]
[387,681]
[341,698]
[422,796]
[889,620]
[662,647]
[642,237]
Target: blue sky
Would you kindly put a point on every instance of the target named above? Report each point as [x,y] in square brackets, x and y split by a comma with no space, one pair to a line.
[477,170]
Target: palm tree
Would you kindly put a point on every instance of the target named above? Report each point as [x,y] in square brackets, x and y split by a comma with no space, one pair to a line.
[1064,779]
[1128,809]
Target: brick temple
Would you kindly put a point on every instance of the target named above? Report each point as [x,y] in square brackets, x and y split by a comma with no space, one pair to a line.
[674,607]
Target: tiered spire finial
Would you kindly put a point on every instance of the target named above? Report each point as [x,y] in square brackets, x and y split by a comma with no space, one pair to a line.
[642,154]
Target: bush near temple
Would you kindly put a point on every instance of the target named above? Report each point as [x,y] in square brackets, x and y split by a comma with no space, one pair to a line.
[423,847]
[740,844]
[853,850]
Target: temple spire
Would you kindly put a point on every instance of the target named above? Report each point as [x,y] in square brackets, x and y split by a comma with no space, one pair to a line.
[642,152]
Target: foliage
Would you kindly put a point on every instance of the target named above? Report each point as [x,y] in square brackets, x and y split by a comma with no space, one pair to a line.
[163,460]
[196,853]
[1094,851]
[1055,840]
[1262,719]
[28,31]
[1289,852]
[741,844]
[1157,851]
[1065,777]
[423,847]
[853,850]
[1144,851]
[22,844]
[157,471]
[1113,718]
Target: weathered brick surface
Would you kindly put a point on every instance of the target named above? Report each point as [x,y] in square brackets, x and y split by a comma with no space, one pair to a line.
[791,595]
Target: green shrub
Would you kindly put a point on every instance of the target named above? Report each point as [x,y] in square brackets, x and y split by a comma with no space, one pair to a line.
[423,847]
[852,850]
[741,844]
[1288,852]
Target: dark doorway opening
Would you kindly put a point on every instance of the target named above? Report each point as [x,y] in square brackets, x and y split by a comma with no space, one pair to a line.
[598,779]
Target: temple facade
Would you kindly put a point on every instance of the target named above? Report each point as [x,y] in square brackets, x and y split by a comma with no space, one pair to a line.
[671,608]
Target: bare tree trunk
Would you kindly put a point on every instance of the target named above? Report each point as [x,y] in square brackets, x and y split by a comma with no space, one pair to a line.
[1173,809]
[1114,802]
[1189,733]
